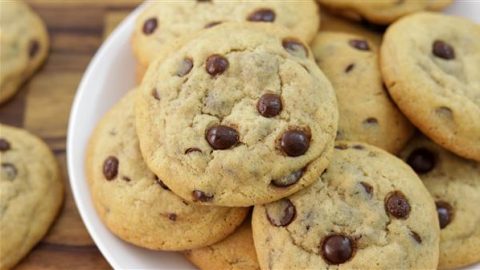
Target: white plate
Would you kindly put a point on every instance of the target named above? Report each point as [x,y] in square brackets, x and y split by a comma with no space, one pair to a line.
[109,76]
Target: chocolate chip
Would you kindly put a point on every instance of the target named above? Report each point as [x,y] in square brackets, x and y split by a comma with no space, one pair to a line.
[422,160]
[341,146]
[371,121]
[337,249]
[367,187]
[397,205]
[445,213]
[349,68]
[289,179]
[172,216]
[126,178]
[160,182]
[262,15]
[192,149]
[359,44]
[212,24]
[9,171]
[222,137]
[33,48]
[155,94]
[295,142]
[295,47]
[443,50]
[185,67]
[280,213]
[415,236]
[4,145]
[358,147]
[199,195]
[110,168]
[216,64]
[149,26]
[269,105]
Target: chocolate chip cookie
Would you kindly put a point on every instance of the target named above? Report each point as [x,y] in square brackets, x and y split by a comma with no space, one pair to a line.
[454,183]
[24,43]
[31,193]
[366,112]
[432,75]
[236,252]
[162,21]
[381,11]
[134,203]
[247,120]
[368,210]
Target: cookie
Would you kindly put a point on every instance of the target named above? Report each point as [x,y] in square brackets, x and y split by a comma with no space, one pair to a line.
[24,43]
[235,252]
[163,21]
[31,193]
[367,114]
[247,120]
[369,210]
[381,11]
[454,183]
[134,203]
[432,75]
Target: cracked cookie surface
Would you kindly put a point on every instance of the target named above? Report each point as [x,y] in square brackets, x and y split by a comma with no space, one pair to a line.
[382,11]
[247,120]
[369,210]
[366,113]
[134,203]
[454,184]
[31,193]
[24,43]
[163,21]
[432,75]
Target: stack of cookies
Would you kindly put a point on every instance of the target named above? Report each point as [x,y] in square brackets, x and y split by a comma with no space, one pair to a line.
[248,105]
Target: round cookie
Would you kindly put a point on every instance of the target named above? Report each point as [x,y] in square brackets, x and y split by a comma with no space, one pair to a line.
[24,43]
[454,183]
[432,75]
[369,210]
[247,120]
[162,21]
[137,206]
[236,252]
[381,11]
[366,113]
[31,193]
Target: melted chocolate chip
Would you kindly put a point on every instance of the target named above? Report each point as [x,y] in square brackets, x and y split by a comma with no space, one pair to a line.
[359,44]
[192,149]
[33,48]
[155,94]
[397,205]
[126,178]
[262,15]
[9,171]
[295,47]
[269,105]
[280,213]
[367,187]
[295,142]
[4,145]
[415,236]
[212,24]
[172,216]
[445,213]
[422,160]
[216,64]
[222,137]
[185,67]
[289,179]
[160,182]
[349,68]
[337,249]
[110,168]
[149,26]
[199,195]
[341,146]
[358,147]
[443,50]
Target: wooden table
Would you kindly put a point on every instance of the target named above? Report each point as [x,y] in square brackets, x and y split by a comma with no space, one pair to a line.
[77,29]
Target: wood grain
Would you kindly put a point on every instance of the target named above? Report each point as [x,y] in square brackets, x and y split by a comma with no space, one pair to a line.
[42,106]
